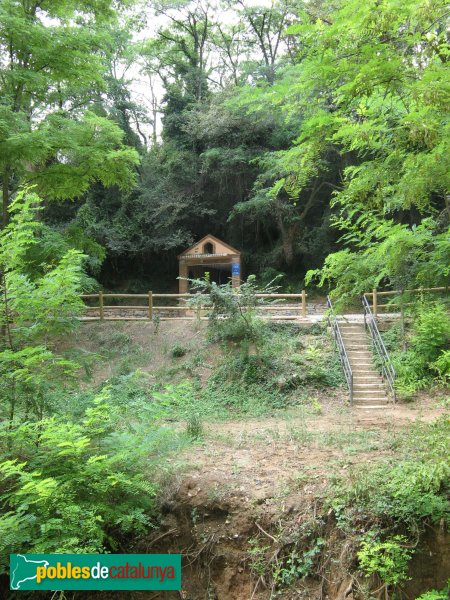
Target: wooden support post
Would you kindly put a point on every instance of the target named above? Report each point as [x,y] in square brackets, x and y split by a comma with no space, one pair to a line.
[100,305]
[303,303]
[150,305]
[183,284]
[374,302]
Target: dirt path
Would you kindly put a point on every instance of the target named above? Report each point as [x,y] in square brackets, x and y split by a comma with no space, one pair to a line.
[260,459]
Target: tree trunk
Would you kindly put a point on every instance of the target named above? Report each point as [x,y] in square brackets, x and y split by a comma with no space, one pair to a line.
[289,235]
[5,193]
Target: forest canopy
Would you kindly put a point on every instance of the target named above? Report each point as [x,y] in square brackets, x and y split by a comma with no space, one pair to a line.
[304,133]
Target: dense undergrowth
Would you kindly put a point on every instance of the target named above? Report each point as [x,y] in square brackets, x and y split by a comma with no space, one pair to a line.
[420,348]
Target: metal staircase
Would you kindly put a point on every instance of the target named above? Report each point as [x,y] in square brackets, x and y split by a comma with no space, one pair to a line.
[368,388]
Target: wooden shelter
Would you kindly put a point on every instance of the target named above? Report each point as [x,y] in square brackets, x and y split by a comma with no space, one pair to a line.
[209,253]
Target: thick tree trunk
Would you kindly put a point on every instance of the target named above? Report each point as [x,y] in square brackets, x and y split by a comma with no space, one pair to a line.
[289,236]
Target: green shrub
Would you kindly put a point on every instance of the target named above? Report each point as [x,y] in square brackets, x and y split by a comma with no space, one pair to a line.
[177,351]
[258,558]
[442,366]
[66,489]
[389,559]
[232,313]
[194,427]
[427,352]
[297,564]
[437,595]
[405,492]
[114,340]
[318,368]
[431,332]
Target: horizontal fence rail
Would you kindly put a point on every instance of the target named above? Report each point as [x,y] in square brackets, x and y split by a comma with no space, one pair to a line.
[387,368]
[136,307]
[343,356]
[377,295]
[148,309]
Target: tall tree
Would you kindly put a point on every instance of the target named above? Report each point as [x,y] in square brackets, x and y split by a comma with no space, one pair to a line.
[51,72]
[373,82]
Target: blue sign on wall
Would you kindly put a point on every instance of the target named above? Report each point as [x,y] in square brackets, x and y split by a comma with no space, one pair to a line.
[235,269]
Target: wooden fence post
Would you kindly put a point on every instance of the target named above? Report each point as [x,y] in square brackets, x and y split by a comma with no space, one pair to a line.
[150,305]
[100,305]
[303,303]
[375,302]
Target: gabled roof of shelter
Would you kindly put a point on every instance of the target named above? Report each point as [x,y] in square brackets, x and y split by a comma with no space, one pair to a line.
[205,240]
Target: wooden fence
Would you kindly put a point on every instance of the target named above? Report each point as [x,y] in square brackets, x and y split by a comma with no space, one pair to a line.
[173,306]
[377,296]
[149,308]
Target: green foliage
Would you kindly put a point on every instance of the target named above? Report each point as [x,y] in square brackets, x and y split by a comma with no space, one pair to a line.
[384,110]
[71,490]
[442,366]
[297,564]
[52,245]
[194,427]
[179,400]
[436,595]
[50,301]
[426,353]
[232,312]
[405,492]
[388,559]
[431,332]
[258,559]
[33,311]
[383,70]
[318,367]
[385,253]
[52,59]
[289,566]
[178,350]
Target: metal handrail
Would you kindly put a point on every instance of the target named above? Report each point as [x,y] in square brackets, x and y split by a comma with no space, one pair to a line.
[387,368]
[343,356]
